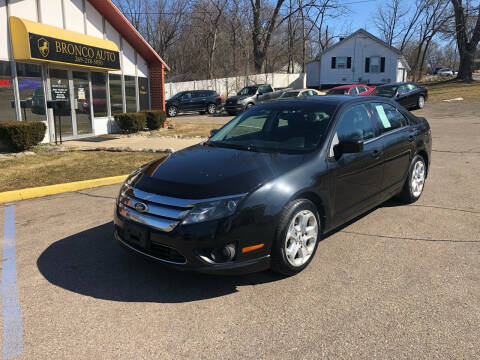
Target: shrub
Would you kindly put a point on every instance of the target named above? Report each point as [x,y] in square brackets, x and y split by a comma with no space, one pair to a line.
[155,119]
[21,135]
[131,122]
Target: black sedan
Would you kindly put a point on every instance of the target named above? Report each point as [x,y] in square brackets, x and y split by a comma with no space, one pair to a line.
[262,191]
[202,101]
[409,95]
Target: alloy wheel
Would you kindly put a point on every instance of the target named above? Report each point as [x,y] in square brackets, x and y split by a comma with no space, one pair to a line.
[301,238]
[211,109]
[172,111]
[421,102]
[418,178]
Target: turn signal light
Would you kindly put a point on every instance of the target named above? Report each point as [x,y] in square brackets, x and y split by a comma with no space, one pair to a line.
[251,248]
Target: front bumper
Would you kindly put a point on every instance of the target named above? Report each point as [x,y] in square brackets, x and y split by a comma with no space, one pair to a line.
[183,247]
[234,107]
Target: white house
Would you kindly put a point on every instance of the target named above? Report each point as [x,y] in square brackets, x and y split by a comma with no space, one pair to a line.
[358,58]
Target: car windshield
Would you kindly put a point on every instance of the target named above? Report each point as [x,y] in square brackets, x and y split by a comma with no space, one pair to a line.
[249,90]
[336,92]
[286,128]
[289,94]
[385,91]
[177,96]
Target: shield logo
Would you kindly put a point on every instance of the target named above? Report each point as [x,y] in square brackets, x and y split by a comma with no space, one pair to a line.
[43,47]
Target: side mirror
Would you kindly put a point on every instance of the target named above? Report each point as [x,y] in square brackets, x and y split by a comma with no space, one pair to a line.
[348,147]
[213,132]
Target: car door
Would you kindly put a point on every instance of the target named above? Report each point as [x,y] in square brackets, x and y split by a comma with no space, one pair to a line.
[397,144]
[264,93]
[185,103]
[357,177]
[402,96]
[197,102]
[413,92]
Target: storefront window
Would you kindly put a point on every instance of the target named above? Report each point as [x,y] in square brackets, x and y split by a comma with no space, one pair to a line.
[143,93]
[116,100]
[32,97]
[130,93]
[7,99]
[99,92]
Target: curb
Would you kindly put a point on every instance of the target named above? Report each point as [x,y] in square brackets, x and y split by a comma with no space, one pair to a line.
[30,193]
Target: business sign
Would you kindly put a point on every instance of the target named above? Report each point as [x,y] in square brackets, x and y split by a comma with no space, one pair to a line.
[60,92]
[47,48]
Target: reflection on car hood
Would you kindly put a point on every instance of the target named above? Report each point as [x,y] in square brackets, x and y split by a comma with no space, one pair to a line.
[202,172]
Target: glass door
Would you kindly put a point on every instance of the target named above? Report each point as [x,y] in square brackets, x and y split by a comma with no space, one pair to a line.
[60,90]
[81,96]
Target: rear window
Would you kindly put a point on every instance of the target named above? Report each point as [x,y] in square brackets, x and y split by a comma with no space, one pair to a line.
[387,91]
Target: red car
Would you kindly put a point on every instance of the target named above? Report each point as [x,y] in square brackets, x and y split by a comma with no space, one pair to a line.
[352,90]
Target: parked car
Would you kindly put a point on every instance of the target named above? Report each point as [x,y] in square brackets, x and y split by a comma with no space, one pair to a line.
[445,72]
[410,95]
[352,90]
[203,101]
[249,96]
[300,93]
[263,190]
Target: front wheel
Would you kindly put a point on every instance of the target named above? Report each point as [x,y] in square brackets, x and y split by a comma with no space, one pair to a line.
[296,238]
[249,105]
[413,188]
[172,111]
[211,109]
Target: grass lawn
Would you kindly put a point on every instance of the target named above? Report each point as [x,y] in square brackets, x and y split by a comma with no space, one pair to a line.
[62,167]
[437,92]
[188,129]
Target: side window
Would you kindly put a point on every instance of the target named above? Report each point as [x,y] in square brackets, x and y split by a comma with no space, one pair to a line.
[361,89]
[387,117]
[353,91]
[186,96]
[402,90]
[355,125]
[411,87]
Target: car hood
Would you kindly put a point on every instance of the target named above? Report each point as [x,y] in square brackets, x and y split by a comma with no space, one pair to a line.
[200,172]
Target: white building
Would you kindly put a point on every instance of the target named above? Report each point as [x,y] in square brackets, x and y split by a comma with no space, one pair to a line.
[82,52]
[359,58]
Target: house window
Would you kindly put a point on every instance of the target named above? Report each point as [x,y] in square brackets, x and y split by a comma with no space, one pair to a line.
[341,62]
[375,64]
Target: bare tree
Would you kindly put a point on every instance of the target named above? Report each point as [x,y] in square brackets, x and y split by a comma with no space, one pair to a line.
[467,34]
[388,20]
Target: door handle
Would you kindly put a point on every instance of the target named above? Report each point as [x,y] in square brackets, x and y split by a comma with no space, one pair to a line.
[376,153]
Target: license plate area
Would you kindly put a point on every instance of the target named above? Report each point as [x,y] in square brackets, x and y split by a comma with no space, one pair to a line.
[136,235]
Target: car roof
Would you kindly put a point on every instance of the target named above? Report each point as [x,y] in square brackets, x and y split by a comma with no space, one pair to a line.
[395,84]
[338,100]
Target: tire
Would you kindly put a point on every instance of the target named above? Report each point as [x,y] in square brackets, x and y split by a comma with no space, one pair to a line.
[294,245]
[211,109]
[172,111]
[415,182]
[249,105]
[420,102]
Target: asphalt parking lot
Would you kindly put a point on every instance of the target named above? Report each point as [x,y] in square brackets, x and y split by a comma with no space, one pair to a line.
[399,282]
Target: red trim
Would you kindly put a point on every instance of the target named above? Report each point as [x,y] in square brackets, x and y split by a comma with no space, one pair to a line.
[128,32]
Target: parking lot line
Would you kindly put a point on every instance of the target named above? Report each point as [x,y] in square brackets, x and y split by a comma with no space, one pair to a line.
[11,313]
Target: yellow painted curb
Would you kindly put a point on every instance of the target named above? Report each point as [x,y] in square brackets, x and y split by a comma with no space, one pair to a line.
[16,195]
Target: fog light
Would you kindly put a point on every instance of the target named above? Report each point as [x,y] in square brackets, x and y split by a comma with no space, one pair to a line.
[227,253]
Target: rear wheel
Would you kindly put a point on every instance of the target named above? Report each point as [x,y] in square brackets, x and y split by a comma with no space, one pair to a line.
[172,111]
[211,109]
[296,238]
[413,188]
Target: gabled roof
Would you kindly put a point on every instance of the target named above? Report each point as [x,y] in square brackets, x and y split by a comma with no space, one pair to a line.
[365,33]
[128,32]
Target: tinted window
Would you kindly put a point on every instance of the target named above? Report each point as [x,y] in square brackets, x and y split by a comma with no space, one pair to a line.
[353,91]
[355,125]
[249,90]
[402,90]
[411,87]
[6,93]
[289,128]
[289,94]
[386,91]
[186,96]
[99,92]
[336,92]
[387,117]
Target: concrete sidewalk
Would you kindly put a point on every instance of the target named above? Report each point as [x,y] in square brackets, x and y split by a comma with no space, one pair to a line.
[133,142]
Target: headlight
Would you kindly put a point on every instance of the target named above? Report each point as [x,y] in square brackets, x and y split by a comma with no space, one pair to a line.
[212,210]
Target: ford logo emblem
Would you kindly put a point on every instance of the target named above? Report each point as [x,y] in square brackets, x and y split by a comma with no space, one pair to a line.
[141,207]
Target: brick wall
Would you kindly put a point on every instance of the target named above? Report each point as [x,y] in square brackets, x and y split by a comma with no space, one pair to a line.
[157,87]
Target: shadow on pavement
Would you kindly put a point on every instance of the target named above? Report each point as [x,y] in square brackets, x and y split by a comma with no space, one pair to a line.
[91,263]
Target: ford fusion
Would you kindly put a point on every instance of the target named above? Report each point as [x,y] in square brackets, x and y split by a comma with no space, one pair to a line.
[263,189]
